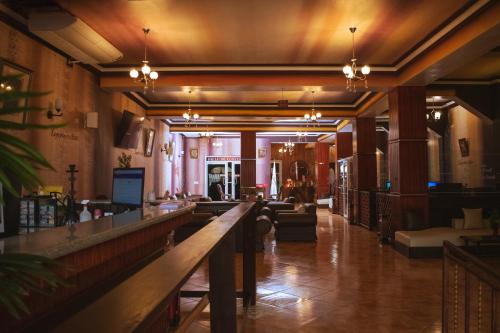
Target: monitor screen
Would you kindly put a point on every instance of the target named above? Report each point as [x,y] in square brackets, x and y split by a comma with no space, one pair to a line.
[432,184]
[128,186]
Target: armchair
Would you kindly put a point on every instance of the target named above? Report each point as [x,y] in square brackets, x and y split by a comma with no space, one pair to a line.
[295,225]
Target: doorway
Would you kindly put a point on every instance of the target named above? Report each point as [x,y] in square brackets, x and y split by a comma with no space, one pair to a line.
[226,172]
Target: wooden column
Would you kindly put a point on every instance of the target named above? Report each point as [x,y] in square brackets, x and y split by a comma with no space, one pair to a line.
[343,146]
[321,167]
[223,287]
[248,166]
[364,164]
[407,162]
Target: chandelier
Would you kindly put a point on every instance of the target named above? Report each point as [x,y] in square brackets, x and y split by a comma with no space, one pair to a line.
[351,70]
[288,147]
[314,116]
[189,116]
[206,134]
[301,136]
[217,143]
[435,114]
[146,76]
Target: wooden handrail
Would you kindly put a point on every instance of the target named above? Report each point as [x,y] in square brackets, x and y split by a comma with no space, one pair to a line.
[138,303]
[472,264]
[471,290]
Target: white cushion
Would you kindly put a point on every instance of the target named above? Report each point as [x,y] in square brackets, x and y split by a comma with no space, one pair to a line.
[473,218]
[434,237]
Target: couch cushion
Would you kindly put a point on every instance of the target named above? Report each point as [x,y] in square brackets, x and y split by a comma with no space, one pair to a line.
[473,218]
[434,237]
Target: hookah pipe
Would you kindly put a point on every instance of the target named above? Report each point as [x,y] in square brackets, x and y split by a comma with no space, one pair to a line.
[71,216]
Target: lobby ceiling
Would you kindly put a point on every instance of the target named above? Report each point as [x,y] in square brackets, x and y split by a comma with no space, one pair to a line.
[256,32]
[240,57]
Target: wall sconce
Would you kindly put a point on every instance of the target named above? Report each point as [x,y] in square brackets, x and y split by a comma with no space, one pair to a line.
[57,106]
[169,149]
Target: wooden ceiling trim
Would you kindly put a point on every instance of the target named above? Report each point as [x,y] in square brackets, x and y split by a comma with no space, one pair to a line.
[261,128]
[285,113]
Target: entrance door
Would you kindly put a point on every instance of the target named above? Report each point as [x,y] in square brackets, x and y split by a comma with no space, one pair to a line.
[227,174]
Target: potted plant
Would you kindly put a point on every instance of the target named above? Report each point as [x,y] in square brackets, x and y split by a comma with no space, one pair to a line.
[21,273]
[495,221]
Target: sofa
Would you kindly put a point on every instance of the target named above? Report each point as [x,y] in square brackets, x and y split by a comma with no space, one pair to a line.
[299,225]
[428,243]
[207,212]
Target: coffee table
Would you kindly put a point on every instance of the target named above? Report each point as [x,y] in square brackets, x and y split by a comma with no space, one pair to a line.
[478,242]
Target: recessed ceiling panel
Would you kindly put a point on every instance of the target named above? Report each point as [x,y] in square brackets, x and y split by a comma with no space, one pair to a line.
[253,97]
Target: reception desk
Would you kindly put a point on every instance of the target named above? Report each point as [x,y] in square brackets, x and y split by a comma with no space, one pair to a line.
[96,255]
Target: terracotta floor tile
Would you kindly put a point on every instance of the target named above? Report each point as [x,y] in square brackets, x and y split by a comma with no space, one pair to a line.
[344,282]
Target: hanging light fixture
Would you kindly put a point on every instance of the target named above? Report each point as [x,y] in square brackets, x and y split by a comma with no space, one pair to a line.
[146,75]
[301,136]
[351,70]
[217,143]
[189,116]
[313,116]
[207,134]
[435,114]
[288,147]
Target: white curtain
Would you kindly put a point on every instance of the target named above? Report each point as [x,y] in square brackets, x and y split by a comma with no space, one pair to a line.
[274,181]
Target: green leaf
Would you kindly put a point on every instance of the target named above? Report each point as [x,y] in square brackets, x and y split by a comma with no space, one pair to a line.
[30,150]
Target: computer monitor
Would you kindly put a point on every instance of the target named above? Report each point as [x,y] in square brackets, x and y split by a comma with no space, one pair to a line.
[128,187]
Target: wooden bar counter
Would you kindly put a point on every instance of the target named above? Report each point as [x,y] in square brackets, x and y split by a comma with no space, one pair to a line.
[97,255]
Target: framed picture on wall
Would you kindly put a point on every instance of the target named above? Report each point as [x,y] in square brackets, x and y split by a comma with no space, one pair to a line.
[464,147]
[261,153]
[150,141]
[193,153]
[14,78]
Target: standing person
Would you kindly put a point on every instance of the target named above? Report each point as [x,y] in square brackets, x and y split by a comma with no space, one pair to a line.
[221,191]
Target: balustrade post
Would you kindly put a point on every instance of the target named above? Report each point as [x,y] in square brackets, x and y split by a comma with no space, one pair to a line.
[249,263]
[223,287]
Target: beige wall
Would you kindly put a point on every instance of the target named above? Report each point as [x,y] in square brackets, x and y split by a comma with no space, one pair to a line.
[433,153]
[92,150]
[466,170]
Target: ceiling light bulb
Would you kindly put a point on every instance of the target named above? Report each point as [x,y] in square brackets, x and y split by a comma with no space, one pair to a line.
[145,69]
[347,69]
[153,75]
[427,116]
[318,115]
[365,70]
[307,116]
[8,88]
[350,75]
[185,115]
[313,117]
[134,73]
[196,116]
[437,115]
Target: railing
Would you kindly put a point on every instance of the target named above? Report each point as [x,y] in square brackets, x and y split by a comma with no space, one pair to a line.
[140,303]
[471,293]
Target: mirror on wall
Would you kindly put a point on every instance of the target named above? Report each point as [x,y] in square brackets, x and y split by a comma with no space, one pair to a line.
[299,170]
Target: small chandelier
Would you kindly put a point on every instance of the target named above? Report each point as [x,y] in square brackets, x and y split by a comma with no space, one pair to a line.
[301,136]
[351,70]
[288,147]
[206,134]
[217,143]
[189,116]
[435,114]
[146,76]
[314,116]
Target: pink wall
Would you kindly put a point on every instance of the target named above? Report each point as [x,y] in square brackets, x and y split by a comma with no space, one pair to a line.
[195,168]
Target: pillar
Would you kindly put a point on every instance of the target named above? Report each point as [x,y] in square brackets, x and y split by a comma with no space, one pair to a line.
[364,169]
[248,163]
[408,171]
[321,169]
[343,147]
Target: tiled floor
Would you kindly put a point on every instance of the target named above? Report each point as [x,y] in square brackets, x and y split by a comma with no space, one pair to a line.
[345,282]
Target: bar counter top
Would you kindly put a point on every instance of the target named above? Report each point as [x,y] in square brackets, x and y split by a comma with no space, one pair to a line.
[61,241]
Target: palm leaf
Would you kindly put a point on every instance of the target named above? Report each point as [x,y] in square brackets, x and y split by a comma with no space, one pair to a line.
[22,274]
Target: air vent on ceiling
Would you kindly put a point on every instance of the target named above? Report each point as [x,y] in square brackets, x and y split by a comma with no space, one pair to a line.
[74,37]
